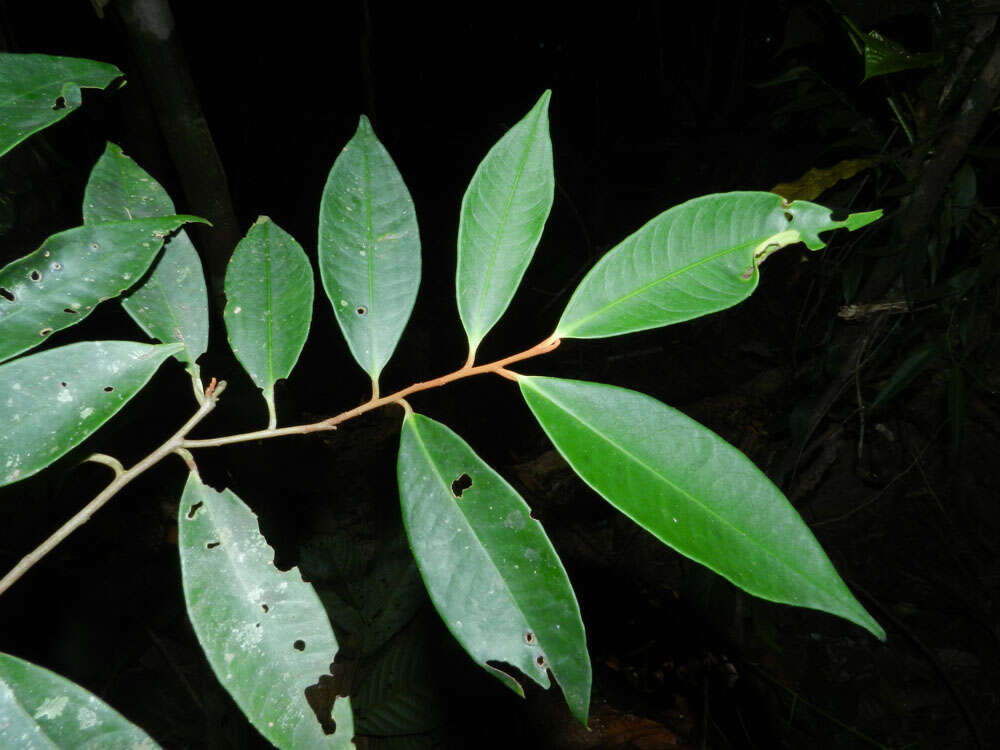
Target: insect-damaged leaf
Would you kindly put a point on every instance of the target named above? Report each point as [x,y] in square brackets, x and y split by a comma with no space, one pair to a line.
[694,259]
[264,631]
[692,490]
[503,214]
[171,304]
[52,401]
[269,298]
[491,571]
[369,249]
[39,90]
[40,709]
[60,283]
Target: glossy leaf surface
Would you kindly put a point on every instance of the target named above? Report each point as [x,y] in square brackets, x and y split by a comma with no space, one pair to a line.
[39,90]
[692,490]
[171,304]
[60,283]
[42,710]
[52,401]
[269,297]
[694,259]
[503,214]
[491,571]
[369,249]
[264,631]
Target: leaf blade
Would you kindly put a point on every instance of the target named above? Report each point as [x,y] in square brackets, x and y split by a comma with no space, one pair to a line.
[678,480]
[504,211]
[491,571]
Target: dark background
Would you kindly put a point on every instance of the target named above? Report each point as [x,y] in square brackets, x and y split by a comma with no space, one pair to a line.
[649,108]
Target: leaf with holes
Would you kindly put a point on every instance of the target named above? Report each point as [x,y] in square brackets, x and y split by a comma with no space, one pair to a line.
[41,709]
[171,304]
[694,259]
[692,490]
[491,571]
[369,249]
[269,297]
[52,401]
[264,631]
[503,214]
[61,283]
[39,90]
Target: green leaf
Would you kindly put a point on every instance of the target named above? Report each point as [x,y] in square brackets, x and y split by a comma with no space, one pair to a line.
[491,571]
[171,304]
[369,249]
[40,709]
[52,401]
[884,56]
[39,90]
[919,360]
[264,631]
[269,297]
[692,490]
[694,259]
[503,214]
[60,283]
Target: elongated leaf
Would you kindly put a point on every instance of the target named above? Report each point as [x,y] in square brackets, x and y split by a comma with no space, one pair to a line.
[884,56]
[269,297]
[39,90]
[503,213]
[694,259]
[491,571]
[263,631]
[60,283]
[52,401]
[919,360]
[692,490]
[171,304]
[369,249]
[41,710]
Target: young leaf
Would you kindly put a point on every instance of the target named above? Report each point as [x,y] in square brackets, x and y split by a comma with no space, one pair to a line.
[39,90]
[40,709]
[52,401]
[264,631]
[60,283]
[503,213]
[369,249]
[692,490]
[491,571]
[172,303]
[694,259]
[269,297]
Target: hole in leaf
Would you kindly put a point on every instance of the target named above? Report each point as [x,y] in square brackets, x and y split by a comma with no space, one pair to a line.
[7,294]
[788,216]
[257,625]
[69,310]
[194,509]
[212,545]
[361,310]
[529,638]
[265,608]
[35,275]
[59,103]
[94,246]
[299,645]
[461,484]
[64,384]
[45,332]
[540,661]
[56,266]
[839,214]
[108,388]
[321,696]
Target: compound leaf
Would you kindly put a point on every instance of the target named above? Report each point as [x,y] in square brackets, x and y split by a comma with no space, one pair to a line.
[692,490]
[52,401]
[39,90]
[491,571]
[369,249]
[694,259]
[264,631]
[503,214]
[40,709]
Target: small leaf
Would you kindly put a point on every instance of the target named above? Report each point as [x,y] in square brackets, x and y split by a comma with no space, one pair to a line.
[39,90]
[40,709]
[264,631]
[60,283]
[171,304]
[692,490]
[919,360]
[491,571]
[369,249]
[269,297]
[884,56]
[817,181]
[52,401]
[694,259]
[503,214]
